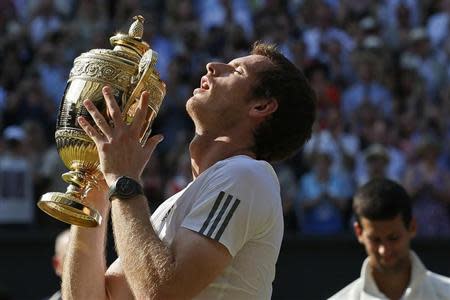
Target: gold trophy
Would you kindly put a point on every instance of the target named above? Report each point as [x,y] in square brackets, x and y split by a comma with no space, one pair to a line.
[129,69]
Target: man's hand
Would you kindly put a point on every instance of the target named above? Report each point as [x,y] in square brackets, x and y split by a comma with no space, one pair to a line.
[98,196]
[118,146]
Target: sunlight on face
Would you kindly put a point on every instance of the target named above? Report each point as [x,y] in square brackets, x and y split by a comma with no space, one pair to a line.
[222,99]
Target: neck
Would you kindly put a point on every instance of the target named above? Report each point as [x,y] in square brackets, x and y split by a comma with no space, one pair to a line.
[393,283]
[206,150]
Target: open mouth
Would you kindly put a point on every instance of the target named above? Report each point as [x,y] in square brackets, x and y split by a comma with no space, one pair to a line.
[204,86]
[204,83]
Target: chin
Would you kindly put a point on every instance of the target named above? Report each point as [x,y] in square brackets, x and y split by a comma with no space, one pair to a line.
[189,107]
[193,108]
[393,265]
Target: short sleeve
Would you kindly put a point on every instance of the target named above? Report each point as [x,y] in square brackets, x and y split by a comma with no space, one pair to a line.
[233,207]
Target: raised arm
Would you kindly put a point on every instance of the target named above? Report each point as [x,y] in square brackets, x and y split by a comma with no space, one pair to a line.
[85,263]
[155,270]
[84,274]
[152,269]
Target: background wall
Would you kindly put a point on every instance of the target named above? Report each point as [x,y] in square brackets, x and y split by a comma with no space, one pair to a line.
[308,268]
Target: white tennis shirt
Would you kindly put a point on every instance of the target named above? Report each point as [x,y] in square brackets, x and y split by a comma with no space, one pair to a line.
[424,285]
[237,203]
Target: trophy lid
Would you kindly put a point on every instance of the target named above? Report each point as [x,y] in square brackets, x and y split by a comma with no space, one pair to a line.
[133,40]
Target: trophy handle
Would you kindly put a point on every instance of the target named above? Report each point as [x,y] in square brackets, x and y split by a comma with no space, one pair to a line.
[146,67]
[145,71]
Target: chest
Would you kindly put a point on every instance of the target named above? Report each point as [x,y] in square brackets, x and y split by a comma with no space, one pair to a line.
[169,216]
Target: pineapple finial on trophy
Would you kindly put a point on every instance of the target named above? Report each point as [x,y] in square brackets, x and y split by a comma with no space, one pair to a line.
[131,42]
[137,28]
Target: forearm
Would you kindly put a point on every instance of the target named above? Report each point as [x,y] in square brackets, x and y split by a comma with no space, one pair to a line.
[85,263]
[147,262]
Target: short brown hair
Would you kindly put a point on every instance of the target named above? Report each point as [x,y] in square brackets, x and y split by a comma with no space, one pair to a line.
[290,126]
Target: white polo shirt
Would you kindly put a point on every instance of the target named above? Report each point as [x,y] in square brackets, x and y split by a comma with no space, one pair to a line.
[237,203]
[424,285]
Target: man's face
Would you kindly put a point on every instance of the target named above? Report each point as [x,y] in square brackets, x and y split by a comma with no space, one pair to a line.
[224,95]
[387,242]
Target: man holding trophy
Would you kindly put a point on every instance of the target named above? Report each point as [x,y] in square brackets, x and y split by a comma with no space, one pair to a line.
[219,238]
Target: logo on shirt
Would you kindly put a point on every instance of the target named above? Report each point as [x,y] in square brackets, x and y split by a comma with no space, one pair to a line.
[167,214]
[219,216]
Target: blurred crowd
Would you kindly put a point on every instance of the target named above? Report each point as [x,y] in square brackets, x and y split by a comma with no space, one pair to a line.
[380,69]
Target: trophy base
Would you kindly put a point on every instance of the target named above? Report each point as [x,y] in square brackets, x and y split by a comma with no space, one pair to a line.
[68,209]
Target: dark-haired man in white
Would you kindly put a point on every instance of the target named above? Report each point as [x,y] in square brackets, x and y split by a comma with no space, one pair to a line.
[218,238]
[385,226]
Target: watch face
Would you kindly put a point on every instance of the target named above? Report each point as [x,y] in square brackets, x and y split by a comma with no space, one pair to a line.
[125,187]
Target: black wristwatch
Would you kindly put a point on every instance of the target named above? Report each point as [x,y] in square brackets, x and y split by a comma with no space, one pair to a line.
[125,188]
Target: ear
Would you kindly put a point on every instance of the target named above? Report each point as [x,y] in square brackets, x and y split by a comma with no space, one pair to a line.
[263,108]
[358,231]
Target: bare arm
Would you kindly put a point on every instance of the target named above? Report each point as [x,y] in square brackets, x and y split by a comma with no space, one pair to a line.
[84,274]
[85,264]
[152,269]
[155,270]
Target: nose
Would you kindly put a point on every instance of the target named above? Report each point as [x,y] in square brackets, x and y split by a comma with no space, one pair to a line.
[217,68]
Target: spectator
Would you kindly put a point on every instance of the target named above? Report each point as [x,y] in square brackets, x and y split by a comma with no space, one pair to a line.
[426,61]
[378,133]
[366,89]
[382,75]
[16,180]
[428,182]
[214,13]
[337,60]
[324,26]
[388,11]
[438,24]
[377,159]
[332,139]
[61,245]
[396,34]
[321,199]
[287,180]
[44,20]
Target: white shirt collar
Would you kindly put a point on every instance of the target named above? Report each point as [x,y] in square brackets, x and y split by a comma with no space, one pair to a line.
[370,290]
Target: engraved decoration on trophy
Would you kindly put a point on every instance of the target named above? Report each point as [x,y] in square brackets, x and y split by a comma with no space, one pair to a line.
[129,69]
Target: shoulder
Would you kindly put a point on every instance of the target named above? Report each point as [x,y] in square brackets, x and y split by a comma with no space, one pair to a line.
[246,165]
[245,171]
[351,291]
[441,284]
[251,182]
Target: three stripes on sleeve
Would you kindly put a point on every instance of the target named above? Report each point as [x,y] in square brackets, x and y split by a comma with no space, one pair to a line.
[219,216]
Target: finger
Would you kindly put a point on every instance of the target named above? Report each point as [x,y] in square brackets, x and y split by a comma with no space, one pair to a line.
[152,142]
[141,113]
[98,118]
[113,108]
[90,130]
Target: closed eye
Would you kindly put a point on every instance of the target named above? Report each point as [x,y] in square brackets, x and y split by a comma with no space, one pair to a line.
[237,67]
[393,238]
[239,71]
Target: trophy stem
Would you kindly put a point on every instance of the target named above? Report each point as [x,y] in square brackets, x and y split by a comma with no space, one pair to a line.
[70,207]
